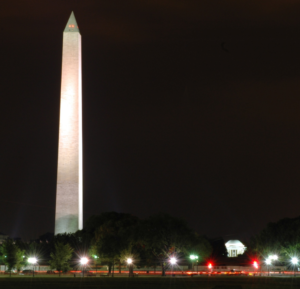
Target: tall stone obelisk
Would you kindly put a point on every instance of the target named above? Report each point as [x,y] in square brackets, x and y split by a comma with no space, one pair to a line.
[69,199]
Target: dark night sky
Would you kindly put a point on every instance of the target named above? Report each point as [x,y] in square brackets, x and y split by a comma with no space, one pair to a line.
[189,107]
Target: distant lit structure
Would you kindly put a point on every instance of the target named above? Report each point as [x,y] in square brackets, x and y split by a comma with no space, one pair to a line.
[235,248]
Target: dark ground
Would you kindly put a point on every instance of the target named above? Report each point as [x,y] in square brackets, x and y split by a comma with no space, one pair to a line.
[229,282]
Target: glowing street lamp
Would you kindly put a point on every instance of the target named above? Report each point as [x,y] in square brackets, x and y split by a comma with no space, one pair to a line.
[194,257]
[294,262]
[130,266]
[83,262]
[274,257]
[268,262]
[172,261]
[129,261]
[96,257]
[33,261]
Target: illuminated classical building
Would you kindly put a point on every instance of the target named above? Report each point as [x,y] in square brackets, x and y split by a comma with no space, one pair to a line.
[235,248]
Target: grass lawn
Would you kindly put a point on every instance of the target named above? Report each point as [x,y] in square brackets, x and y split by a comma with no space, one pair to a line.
[217,282]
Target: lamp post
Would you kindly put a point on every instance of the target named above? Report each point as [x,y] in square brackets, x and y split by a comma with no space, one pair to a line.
[268,262]
[129,262]
[272,257]
[96,257]
[295,261]
[194,257]
[32,260]
[83,262]
[173,261]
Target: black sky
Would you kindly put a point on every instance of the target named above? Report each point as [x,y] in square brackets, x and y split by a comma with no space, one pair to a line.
[189,107]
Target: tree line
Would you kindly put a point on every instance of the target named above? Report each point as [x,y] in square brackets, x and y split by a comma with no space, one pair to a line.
[109,239]
[280,238]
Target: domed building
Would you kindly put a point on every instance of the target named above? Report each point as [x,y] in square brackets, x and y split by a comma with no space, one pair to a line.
[235,248]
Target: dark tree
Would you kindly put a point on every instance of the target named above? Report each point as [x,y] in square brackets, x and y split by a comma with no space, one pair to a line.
[12,255]
[114,237]
[164,236]
[60,257]
[219,249]
[280,237]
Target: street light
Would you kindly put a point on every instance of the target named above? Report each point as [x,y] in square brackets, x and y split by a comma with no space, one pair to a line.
[294,261]
[129,262]
[268,262]
[274,257]
[96,257]
[194,257]
[32,260]
[173,261]
[83,262]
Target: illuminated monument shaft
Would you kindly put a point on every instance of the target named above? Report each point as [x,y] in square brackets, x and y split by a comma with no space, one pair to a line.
[68,214]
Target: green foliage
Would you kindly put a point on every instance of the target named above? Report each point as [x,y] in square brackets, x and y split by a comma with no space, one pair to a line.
[13,255]
[96,221]
[114,236]
[199,246]
[291,251]
[163,235]
[61,256]
[19,259]
[282,237]
[93,252]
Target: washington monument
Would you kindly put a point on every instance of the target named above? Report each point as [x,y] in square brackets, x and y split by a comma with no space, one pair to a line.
[68,213]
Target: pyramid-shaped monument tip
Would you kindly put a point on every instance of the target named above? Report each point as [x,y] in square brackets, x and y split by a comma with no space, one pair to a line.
[72,25]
